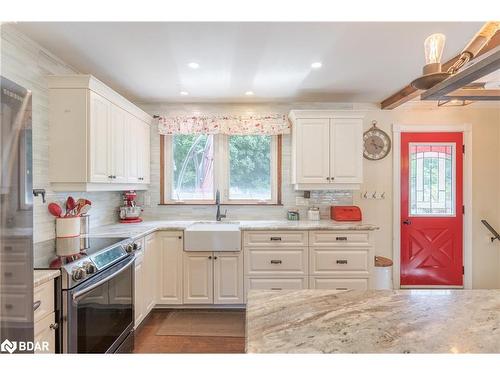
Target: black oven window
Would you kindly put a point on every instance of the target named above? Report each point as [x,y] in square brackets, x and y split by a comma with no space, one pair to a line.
[105,313]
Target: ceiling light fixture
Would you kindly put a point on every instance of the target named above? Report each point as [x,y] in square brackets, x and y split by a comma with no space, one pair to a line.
[432,74]
[316,65]
[184,93]
[249,93]
[194,65]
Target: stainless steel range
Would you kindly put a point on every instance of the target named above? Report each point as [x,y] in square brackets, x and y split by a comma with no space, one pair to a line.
[96,292]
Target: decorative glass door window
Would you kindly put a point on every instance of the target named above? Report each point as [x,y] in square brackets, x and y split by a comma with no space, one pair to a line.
[432,179]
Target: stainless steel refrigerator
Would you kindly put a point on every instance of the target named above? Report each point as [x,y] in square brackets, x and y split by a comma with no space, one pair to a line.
[16,218]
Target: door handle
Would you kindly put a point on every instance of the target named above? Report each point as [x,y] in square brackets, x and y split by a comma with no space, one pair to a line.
[406,222]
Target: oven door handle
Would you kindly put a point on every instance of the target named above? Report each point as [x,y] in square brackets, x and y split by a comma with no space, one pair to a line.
[100,282]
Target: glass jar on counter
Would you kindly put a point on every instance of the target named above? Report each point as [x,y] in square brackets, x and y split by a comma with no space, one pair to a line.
[313,213]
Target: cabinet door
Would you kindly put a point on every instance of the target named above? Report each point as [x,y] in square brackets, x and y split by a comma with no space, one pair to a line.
[99,139]
[150,252]
[170,269]
[228,278]
[138,290]
[346,151]
[44,334]
[133,134]
[312,157]
[117,144]
[198,277]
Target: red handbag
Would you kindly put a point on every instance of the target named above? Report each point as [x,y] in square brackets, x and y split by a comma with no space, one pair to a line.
[345,213]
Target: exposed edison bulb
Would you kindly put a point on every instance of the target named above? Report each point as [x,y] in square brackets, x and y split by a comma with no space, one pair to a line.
[434,46]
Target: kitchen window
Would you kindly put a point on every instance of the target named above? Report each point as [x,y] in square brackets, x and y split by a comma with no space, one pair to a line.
[244,168]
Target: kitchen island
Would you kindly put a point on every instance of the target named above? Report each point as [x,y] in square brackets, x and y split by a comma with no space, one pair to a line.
[402,321]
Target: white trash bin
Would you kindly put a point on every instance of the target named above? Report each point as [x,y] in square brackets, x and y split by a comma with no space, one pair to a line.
[383,273]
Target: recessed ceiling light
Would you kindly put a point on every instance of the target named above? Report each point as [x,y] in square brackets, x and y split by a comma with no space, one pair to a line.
[194,65]
[184,93]
[249,93]
[316,65]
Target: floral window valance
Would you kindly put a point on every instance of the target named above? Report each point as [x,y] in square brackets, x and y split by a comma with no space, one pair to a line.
[230,125]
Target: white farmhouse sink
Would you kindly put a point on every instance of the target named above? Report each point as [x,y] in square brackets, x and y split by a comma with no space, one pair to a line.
[212,236]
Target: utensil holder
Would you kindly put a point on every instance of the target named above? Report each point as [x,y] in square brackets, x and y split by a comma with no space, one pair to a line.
[67,227]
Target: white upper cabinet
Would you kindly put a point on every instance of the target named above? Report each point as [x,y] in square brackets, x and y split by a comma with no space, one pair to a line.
[312,145]
[326,150]
[100,136]
[98,140]
[346,151]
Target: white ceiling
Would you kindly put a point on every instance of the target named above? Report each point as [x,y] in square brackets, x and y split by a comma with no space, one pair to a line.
[147,62]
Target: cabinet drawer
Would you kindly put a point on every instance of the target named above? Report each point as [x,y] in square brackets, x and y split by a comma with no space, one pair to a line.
[327,238]
[276,283]
[271,261]
[45,335]
[332,261]
[275,238]
[14,307]
[44,295]
[13,275]
[338,284]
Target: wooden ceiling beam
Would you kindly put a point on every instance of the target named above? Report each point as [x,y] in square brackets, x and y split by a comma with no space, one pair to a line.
[408,92]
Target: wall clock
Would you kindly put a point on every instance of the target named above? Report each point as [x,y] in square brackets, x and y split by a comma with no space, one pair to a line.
[376,142]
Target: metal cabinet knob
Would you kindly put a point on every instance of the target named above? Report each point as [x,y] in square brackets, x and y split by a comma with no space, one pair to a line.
[209,257]
[36,305]
[54,326]
[406,222]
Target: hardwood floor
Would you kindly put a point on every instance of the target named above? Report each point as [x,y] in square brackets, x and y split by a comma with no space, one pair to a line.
[147,341]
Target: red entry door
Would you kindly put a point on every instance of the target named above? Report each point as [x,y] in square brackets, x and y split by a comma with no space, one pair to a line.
[431,209]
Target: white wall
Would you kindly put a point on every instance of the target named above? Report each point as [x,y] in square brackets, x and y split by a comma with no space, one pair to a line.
[377,174]
[26,63]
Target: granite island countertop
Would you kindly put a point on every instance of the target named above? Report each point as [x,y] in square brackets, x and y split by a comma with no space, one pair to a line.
[137,230]
[402,321]
[43,276]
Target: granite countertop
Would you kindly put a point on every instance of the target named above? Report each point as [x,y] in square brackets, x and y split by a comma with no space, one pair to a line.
[402,321]
[136,230]
[42,276]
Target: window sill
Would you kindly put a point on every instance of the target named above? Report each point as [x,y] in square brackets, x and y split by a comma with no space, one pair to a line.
[222,204]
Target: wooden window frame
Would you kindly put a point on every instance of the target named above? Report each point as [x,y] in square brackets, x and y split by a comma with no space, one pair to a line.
[221,174]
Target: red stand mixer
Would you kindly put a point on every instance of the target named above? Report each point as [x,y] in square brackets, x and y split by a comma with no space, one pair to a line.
[130,212]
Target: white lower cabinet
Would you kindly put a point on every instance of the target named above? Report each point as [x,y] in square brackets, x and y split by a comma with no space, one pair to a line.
[145,278]
[169,277]
[213,278]
[198,278]
[44,318]
[228,278]
[138,288]
[315,260]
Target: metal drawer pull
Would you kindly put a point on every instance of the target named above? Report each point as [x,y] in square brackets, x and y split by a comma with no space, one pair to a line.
[36,305]
[8,248]
[341,261]
[54,326]
[276,288]
[341,238]
[9,306]
[275,261]
[275,238]
[8,274]
[341,288]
